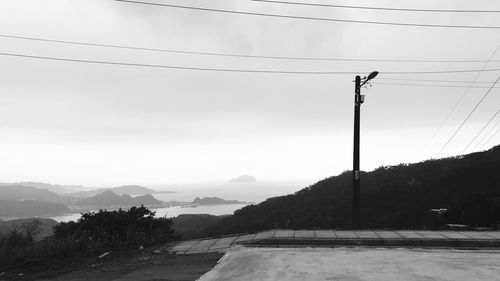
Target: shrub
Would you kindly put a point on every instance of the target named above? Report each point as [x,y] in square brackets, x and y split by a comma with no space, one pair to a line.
[92,234]
[121,228]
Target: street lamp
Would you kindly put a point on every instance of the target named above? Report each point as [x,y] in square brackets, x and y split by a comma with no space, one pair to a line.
[358,100]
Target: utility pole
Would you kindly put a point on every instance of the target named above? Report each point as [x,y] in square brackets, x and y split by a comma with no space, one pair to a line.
[358,100]
[356,184]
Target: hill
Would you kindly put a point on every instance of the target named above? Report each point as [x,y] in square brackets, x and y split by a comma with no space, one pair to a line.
[21,192]
[45,227]
[214,201]
[132,190]
[57,188]
[401,196]
[121,190]
[30,208]
[109,199]
[244,179]
[112,235]
[192,225]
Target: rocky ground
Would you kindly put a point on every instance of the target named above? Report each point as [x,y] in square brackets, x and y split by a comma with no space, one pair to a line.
[143,265]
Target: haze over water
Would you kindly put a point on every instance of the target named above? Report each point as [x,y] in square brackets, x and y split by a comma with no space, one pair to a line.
[249,192]
[245,192]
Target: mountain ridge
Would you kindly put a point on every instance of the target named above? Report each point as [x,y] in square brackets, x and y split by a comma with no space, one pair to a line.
[215,201]
[243,179]
[108,198]
[399,196]
[120,190]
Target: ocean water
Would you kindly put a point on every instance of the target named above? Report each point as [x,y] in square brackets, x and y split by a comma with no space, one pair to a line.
[170,212]
[246,192]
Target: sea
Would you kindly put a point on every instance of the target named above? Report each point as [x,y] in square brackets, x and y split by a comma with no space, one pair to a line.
[250,193]
[170,212]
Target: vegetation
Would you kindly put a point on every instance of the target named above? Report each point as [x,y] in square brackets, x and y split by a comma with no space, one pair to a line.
[193,225]
[398,197]
[117,229]
[93,234]
[45,228]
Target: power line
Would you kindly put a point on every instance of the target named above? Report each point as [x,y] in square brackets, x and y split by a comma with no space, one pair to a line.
[180,67]
[244,70]
[378,8]
[461,98]
[481,141]
[482,129]
[235,55]
[311,18]
[467,118]
[490,138]
[434,80]
[430,85]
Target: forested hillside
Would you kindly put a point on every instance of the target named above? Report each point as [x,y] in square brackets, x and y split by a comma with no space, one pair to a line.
[391,197]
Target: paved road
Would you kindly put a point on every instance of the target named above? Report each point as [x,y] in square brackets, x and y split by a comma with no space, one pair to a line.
[321,238]
[359,263]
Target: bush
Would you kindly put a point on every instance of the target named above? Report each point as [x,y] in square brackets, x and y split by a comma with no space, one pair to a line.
[93,233]
[15,241]
[122,228]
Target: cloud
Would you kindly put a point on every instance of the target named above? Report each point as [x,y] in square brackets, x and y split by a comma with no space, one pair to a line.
[95,107]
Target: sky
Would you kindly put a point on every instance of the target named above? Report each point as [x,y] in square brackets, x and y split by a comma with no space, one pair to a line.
[93,124]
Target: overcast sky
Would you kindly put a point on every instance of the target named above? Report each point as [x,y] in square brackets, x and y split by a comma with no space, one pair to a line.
[76,123]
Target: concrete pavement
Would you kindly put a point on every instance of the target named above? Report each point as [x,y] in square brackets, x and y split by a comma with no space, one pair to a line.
[333,238]
[355,263]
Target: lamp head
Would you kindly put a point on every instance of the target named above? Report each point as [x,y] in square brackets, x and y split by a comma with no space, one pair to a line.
[372,75]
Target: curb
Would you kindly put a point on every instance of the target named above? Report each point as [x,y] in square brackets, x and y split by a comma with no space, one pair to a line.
[426,243]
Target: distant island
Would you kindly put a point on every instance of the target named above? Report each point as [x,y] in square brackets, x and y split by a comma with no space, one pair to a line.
[431,194]
[244,179]
[48,200]
[21,201]
[111,200]
[30,208]
[24,193]
[215,201]
[57,188]
[121,190]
